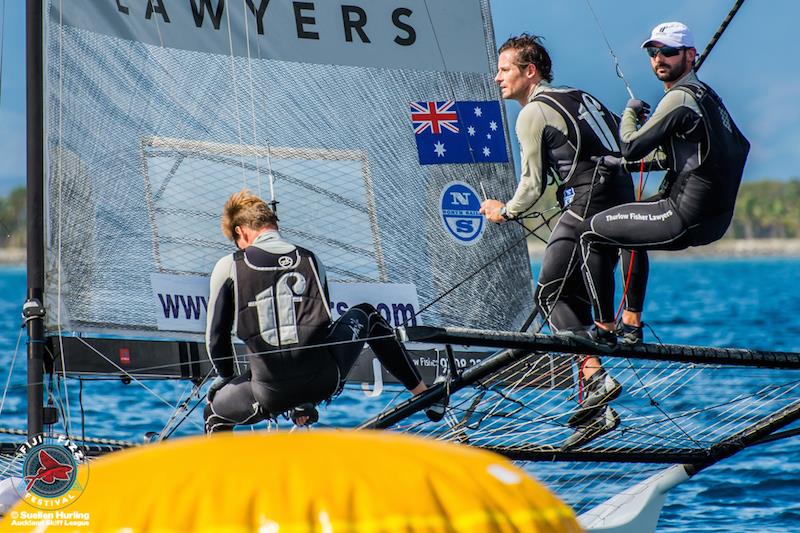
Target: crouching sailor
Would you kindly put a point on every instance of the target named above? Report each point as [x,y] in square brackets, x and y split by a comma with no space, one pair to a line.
[273,295]
[704,154]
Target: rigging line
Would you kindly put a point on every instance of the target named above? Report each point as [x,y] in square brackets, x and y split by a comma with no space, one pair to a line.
[657,405]
[717,35]
[60,240]
[235,94]
[252,94]
[182,407]
[617,66]
[83,411]
[127,374]
[10,371]
[473,274]
[450,85]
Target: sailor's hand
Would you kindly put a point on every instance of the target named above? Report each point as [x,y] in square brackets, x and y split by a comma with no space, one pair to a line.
[639,107]
[216,385]
[607,165]
[492,210]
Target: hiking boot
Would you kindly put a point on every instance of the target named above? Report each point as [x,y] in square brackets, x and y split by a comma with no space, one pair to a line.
[600,389]
[604,422]
[436,411]
[629,335]
[595,338]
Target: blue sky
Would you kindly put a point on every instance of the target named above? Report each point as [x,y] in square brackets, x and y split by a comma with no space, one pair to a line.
[753,67]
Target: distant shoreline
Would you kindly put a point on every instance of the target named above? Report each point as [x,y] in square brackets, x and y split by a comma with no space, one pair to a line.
[720,249]
[727,248]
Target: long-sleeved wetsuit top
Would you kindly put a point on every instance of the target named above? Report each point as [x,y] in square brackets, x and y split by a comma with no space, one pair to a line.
[531,122]
[705,151]
[564,124]
[222,305]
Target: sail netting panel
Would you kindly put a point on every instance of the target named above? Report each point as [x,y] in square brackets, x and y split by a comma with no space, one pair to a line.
[147,138]
[670,413]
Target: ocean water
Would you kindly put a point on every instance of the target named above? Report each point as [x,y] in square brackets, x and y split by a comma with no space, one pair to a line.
[753,303]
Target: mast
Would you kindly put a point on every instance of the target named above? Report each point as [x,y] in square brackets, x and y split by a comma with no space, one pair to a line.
[33,309]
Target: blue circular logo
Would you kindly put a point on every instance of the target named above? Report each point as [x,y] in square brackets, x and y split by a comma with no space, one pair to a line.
[459,205]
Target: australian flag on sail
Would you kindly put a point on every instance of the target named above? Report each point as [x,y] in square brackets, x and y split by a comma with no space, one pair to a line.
[459,132]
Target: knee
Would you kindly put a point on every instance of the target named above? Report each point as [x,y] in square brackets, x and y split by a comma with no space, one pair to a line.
[366,308]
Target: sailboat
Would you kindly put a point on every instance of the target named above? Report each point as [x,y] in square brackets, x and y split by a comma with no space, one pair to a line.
[375,128]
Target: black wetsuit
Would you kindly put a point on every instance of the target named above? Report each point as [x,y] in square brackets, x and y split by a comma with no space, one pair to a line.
[705,155]
[570,125]
[274,295]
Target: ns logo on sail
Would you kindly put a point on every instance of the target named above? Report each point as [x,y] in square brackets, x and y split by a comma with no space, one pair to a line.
[459,207]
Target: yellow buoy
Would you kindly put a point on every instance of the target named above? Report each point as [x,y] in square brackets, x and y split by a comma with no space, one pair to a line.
[318,481]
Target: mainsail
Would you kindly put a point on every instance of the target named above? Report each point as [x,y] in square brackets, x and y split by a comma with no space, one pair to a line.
[155,113]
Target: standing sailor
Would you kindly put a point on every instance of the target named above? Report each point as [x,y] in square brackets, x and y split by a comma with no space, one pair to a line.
[274,295]
[560,131]
[700,146]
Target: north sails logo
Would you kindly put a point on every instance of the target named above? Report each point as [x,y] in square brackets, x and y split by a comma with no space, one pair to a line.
[459,205]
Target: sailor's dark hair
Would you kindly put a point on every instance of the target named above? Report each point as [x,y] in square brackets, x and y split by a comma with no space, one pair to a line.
[530,51]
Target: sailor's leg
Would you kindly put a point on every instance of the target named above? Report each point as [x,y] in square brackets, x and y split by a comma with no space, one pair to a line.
[234,404]
[560,293]
[638,226]
[362,323]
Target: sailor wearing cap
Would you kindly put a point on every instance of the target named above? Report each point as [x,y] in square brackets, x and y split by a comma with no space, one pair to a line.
[690,135]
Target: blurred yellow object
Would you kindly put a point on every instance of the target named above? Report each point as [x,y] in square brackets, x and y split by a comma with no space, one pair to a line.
[349,481]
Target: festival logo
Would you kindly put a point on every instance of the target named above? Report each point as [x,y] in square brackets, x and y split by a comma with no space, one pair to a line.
[51,477]
[459,209]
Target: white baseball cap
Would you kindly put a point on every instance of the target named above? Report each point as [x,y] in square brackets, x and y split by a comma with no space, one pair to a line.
[671,34]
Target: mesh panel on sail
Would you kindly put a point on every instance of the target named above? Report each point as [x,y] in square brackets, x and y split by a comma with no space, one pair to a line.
[145,143]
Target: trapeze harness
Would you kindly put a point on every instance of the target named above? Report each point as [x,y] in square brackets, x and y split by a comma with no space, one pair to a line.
[592,130]
[705,153]
[296,355]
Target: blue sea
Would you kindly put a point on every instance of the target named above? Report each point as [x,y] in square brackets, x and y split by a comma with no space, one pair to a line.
[753,303]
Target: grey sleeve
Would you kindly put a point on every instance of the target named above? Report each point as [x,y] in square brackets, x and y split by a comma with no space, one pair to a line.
[530,130]
[220,317]
[676,113]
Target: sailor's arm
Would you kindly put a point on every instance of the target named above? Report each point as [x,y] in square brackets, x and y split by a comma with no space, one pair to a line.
[677,112]
[530,129]
[220,317]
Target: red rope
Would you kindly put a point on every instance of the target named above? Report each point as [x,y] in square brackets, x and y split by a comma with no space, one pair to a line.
[633,254]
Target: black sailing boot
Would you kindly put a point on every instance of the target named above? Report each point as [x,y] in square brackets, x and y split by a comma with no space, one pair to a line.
[600,389]
[629,335]
[604,421]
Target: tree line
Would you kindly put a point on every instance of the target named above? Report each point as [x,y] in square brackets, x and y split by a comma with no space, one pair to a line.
[765,209]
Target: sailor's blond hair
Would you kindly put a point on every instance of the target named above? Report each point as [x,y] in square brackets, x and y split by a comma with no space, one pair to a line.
[244,208]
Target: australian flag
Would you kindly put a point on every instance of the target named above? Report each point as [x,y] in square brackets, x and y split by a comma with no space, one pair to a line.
[459,132]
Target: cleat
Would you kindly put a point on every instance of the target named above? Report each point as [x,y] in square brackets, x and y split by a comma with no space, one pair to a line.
[606,421]
[601,389]
[629,335]
[596,337]
[304,409]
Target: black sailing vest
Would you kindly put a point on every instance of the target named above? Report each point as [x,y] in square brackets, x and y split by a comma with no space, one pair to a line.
[280,304]
[706,183]
[592,130]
